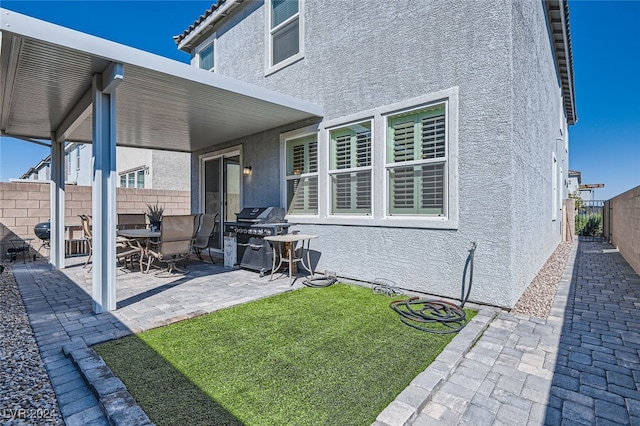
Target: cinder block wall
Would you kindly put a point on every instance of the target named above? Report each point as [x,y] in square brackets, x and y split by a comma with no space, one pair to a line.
[25,204]
[625,226]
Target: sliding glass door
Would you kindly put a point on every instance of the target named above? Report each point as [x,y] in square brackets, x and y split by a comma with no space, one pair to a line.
[221,180]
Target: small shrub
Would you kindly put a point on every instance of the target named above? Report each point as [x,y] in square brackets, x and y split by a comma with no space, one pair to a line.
[589,225]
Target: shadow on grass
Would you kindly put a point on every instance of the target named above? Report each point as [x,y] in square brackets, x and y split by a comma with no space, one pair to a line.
[153,371]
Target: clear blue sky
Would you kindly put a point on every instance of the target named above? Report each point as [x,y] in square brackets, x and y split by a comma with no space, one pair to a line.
[604,144]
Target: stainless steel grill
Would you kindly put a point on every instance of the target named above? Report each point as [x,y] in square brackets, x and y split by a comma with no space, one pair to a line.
[251,226]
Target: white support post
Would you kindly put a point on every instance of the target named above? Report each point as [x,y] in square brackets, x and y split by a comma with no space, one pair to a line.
[103,204]
[56,255]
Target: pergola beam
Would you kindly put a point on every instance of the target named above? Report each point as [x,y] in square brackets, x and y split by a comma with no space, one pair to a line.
[80,111]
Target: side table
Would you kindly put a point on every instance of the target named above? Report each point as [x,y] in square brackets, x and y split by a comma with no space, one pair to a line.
[281,243]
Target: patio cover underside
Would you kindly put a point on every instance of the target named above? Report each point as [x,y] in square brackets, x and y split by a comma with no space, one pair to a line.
[62,85]
[45,81]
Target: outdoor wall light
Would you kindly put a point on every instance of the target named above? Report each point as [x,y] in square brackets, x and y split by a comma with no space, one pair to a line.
[247,171]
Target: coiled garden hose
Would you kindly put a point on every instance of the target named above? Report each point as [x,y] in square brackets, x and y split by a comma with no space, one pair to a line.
[424,314]
[319,282]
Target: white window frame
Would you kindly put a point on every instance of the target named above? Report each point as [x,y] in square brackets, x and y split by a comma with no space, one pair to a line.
[68,163]
[133,172]
[334,172]
[379,184]
[390,165]
[270,67]
[78,157]
[210,41]
[284,139]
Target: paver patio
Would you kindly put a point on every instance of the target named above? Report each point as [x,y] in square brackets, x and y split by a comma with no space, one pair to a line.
[580,366]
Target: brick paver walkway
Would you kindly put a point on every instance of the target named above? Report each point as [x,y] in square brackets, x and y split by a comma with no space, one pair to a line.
[59,308]
[579,366]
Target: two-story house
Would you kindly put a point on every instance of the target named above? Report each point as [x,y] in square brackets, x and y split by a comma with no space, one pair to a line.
[445,123]
[137,168]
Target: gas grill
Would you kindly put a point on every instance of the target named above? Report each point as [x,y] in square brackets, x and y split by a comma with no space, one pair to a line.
[251,226]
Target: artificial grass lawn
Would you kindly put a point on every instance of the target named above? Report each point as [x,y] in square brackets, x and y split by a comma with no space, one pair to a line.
[332,356]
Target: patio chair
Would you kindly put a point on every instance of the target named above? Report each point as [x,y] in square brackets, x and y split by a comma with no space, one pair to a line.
[127,249]
[20,246]
[132,221]
[87,235]
[176,243]
[207,230]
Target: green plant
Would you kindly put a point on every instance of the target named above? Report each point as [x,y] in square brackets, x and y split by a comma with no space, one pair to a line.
[154,213]
[589,225]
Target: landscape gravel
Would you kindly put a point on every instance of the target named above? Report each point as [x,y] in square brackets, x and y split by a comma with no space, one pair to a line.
[26,394]
[537,299]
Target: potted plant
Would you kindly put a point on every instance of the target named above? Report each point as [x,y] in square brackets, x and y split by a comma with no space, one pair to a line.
[154,213]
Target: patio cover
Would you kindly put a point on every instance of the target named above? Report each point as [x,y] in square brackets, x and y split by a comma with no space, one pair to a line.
[63,85]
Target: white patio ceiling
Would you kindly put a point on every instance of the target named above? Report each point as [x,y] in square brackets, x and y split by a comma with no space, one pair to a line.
[45,84]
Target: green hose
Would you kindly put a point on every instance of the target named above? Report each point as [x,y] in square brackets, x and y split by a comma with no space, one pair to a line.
[437,316]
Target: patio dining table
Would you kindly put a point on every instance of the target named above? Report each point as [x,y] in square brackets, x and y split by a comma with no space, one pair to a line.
[137,238]
[138,233]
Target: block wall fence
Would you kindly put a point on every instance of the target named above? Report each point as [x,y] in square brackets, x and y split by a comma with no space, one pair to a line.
[25,204]
[623,229]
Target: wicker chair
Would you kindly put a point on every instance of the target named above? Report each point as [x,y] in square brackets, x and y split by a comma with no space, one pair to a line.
[176,243]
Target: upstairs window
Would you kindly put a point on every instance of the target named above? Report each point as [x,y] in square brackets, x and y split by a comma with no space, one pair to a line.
[205,56]
[285,29]
[417,162]
[350,169]
[302,175]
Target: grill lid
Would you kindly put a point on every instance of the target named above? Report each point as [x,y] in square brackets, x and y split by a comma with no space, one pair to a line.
[42,230]
[261,215]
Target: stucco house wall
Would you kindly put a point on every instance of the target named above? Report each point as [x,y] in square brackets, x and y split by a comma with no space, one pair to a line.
[170,170]
[539,136]
[373,54]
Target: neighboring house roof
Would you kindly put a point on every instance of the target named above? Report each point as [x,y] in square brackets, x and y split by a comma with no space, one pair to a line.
[560,35]
[46,162]
[43,163]
[575,174]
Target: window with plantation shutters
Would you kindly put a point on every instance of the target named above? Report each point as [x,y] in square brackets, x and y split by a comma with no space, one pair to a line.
[417,162]
[284,30]
[350,169]
[302,175]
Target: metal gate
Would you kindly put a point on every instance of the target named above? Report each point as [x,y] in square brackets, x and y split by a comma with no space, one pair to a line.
[590,220]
